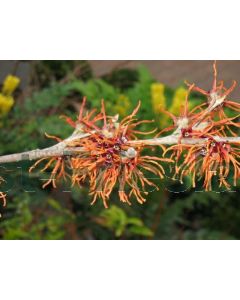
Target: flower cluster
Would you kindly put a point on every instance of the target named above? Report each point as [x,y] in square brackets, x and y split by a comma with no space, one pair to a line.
[203,151]
[210,160]
[103,157]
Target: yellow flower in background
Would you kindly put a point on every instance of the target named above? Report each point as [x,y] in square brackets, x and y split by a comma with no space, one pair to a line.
[123,105]
[6,100]
[10,84]
[6,103]
[157,97]
[178,100]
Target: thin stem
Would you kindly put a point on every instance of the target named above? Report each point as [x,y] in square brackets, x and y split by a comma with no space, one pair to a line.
[62,149]
[174,139]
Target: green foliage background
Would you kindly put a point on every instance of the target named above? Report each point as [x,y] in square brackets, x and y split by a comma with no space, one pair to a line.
[174,212]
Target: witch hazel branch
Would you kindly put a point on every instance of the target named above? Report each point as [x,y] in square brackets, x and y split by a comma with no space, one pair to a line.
[104,152]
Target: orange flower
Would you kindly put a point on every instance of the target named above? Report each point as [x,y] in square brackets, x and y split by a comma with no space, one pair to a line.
[110,162]
[106,159]
[217,96]
[57,172]
[85,121]
[187,124]
[212,159]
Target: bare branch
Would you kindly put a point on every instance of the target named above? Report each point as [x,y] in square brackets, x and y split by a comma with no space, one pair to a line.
[174,139]
[62,149]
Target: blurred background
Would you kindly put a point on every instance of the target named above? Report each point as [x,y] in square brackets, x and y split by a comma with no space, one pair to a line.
[32,97]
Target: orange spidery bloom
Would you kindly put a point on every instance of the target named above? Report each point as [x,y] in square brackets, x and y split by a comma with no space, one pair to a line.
[213,159]
[128,125]
[217,96]
[187,125]
[135,179]
[177,151]
[108,160]
[85,121]
[224,126]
